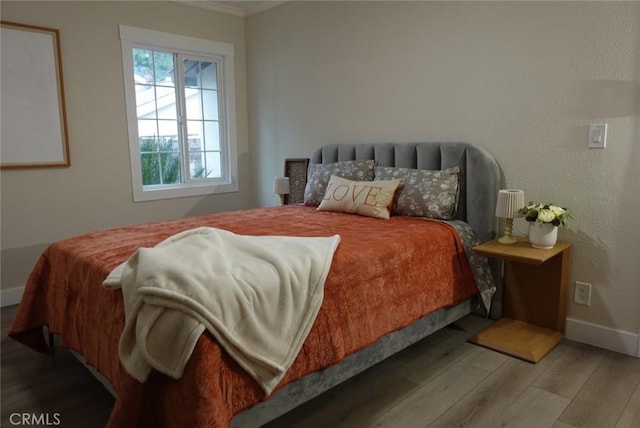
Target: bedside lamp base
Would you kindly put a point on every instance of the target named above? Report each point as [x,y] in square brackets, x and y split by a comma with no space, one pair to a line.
[507,238]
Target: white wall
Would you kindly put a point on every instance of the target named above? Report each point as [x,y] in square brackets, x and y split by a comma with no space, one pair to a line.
[40,206]
[522,79]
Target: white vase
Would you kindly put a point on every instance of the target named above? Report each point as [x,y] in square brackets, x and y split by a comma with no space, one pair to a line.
[543,235]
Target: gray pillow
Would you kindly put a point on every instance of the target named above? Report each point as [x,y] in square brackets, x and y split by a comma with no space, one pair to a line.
[319,174]
[424,193]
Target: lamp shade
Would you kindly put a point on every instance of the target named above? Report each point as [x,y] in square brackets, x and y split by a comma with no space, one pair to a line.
[281,185]
[509,202]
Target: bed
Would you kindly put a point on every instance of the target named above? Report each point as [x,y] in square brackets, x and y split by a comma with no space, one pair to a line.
[435,283]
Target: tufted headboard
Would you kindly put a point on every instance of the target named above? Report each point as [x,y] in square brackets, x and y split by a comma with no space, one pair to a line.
[479,178]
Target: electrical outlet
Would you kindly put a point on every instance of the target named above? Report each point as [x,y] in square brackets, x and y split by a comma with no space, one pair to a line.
[582,293]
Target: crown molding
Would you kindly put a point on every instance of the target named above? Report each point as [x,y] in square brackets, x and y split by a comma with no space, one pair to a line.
[214,6]
[264,5]
[248,8]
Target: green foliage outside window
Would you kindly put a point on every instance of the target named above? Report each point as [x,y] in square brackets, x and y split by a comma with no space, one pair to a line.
[144,61]
[160,162]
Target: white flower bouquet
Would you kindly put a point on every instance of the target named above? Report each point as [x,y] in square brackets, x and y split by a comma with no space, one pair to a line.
[545,213]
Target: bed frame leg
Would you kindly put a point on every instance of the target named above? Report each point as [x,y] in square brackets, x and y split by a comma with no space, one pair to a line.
[52,341]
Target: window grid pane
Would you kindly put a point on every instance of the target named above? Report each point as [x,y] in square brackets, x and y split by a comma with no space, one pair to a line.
[196,145]
[212,135]
[145,101]
[160,159]
[166,103]
[163,68]
[210,104]
[213,164]
[202,118]
[158,106]
[193,101]
[209,73]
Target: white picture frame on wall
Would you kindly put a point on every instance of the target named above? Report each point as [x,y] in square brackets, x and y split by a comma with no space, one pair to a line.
[33,118]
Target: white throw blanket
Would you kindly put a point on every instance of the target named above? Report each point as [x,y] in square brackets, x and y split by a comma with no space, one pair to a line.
[258,295]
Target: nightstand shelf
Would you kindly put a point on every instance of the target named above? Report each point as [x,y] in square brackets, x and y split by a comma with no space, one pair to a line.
[535,299]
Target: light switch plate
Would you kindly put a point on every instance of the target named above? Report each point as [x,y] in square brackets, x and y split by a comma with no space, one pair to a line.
[597,135]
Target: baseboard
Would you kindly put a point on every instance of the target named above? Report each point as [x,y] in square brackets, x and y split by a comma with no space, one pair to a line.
[11,297]
[603,337]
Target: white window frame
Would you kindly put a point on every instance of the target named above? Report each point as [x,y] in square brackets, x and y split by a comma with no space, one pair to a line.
[130,38]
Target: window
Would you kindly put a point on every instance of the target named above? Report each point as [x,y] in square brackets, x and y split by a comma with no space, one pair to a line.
[180,114]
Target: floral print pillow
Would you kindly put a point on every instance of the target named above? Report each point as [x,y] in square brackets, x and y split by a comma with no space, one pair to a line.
[424,193]
[319,174]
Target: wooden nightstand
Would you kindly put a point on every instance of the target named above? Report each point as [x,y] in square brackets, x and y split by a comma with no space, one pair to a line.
[535,299]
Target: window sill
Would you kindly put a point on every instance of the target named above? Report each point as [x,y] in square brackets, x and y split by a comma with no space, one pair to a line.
[154,194]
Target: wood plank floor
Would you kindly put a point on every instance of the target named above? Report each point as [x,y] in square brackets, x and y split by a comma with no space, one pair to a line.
[442,381]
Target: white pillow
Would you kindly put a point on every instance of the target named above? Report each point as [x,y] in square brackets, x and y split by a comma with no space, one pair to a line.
[367,198]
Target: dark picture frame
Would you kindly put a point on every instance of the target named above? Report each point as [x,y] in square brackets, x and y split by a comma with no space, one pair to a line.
[296,170]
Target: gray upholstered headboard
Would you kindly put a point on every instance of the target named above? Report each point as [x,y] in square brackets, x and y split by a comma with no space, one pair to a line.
[479,179]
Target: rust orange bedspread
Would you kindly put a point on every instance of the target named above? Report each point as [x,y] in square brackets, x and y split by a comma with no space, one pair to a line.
[385,274]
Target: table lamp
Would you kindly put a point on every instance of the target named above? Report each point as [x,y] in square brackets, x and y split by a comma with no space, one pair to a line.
[281,187]
[509,202]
